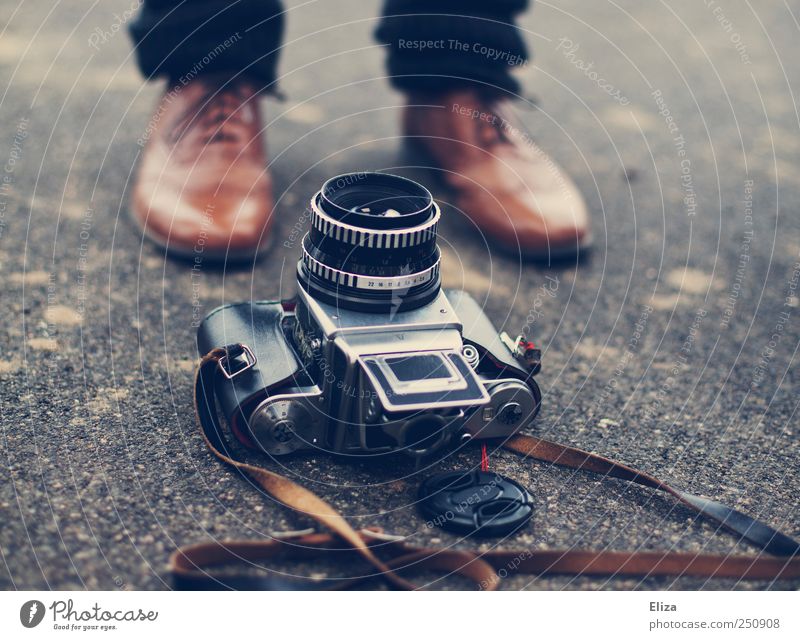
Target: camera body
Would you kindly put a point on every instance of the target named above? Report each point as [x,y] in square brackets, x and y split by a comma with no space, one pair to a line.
[372,357]
[349,382]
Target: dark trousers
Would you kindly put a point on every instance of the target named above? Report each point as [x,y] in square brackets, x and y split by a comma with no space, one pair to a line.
[432,44]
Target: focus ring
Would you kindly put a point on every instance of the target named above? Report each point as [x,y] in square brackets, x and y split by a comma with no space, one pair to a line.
[334,229]
[367,282]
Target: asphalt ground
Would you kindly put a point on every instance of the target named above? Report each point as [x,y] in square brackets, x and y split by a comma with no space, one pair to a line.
[673,348]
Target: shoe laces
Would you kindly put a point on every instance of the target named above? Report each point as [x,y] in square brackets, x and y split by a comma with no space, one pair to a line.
[505,123]
[218,109]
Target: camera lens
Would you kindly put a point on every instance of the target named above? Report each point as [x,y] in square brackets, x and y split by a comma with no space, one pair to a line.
[372,244]
[376,201]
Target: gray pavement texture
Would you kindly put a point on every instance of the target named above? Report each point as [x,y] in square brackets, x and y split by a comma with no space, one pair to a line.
[673,348]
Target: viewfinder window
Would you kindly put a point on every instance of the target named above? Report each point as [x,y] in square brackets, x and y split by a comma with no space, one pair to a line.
[419,367]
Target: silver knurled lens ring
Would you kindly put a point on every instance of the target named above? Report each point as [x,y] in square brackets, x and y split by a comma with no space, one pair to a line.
[372,244]
[369,283]
[373,238]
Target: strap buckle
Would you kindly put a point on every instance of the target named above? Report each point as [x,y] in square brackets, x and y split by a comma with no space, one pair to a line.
[238,358]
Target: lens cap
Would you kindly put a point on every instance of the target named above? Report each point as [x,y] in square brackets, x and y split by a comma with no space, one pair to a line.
[475,502]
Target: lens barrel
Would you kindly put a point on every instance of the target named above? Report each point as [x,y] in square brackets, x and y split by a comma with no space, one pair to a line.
[372,245]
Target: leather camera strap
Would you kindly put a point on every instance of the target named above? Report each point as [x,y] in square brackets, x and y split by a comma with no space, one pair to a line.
[196,566]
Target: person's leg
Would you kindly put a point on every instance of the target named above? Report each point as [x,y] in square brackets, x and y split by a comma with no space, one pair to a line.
[455,61]
[436,45]
[174,38]
[202,188]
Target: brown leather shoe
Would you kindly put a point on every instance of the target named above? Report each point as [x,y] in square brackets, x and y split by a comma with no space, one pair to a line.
[203,189]
[516,194]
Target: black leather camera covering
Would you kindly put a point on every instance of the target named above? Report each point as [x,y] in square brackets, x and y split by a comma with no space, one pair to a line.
[257,325]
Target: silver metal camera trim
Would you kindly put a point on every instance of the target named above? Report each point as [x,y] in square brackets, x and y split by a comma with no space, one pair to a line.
[369,283]
[343,336]
[250,357]
[373,238]
[486,425]
[434,405]
[437,315]
[306,400]
[426,384]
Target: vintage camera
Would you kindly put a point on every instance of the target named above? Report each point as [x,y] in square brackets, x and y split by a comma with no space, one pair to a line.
[372,357]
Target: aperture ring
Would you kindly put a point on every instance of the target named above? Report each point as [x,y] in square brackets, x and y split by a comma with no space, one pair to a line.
[373,238]
[369,283]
